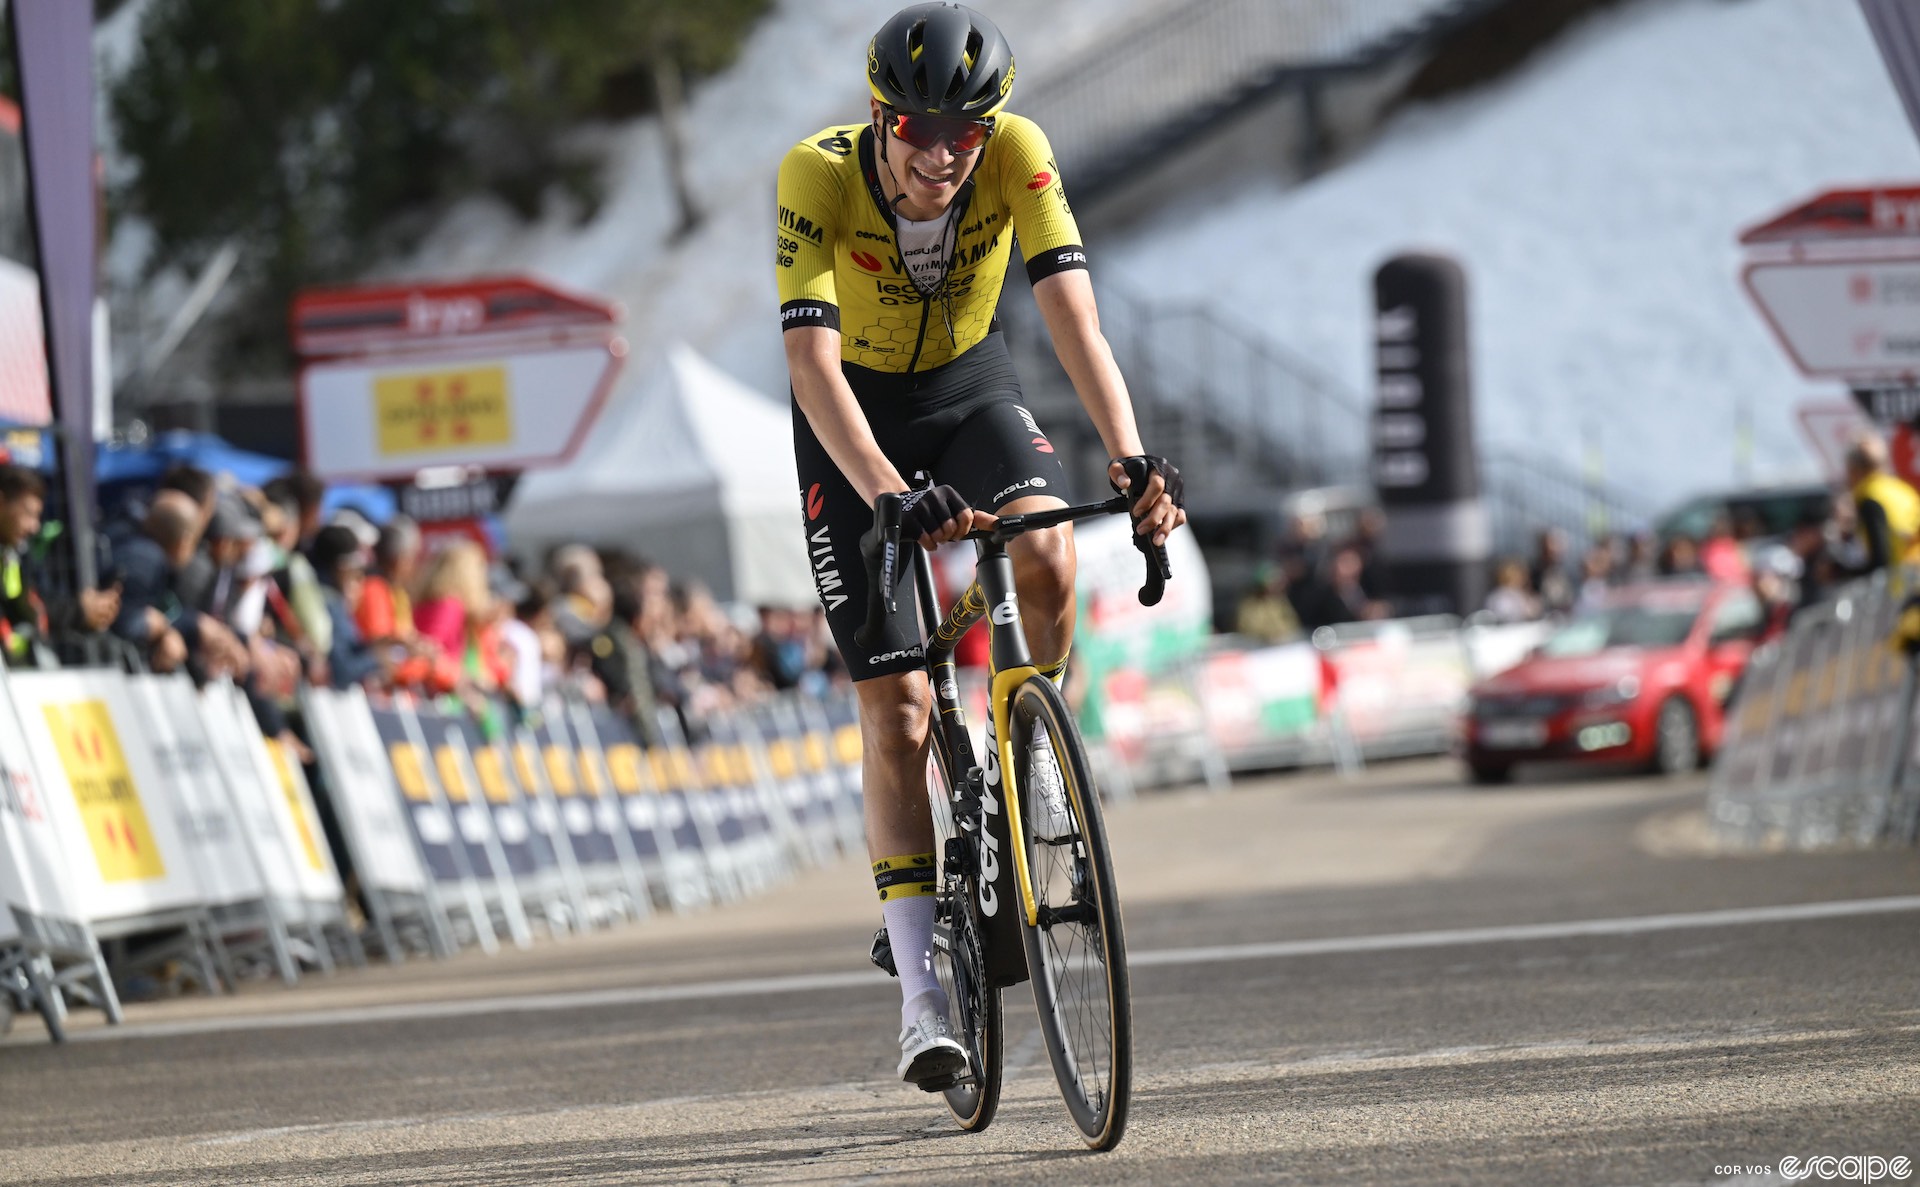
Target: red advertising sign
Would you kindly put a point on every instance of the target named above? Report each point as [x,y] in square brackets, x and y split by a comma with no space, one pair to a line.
[338,321]
[1877,212]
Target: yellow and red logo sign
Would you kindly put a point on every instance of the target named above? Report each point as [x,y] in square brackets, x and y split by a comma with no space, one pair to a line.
[432,411]
[109,803]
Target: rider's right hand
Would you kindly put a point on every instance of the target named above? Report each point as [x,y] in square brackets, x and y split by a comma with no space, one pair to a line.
[937,515]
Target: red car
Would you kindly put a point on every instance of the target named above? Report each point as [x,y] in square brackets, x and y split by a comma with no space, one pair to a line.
[1643,679]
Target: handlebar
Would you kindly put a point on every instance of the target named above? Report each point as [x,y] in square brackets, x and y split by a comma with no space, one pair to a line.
[883,563]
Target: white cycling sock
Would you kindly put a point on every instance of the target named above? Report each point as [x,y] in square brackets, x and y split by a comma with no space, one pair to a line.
[910,932]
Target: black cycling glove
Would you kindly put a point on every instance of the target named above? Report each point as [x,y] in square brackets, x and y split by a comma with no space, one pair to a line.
[1140,468]
[924,512]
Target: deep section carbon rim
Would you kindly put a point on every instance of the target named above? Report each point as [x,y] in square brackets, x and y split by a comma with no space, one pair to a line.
[1077,952]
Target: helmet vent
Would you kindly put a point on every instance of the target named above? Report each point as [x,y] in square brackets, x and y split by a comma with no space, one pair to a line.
[958,84]
[893,82]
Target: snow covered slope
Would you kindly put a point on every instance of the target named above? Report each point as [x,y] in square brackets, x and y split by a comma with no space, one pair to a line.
[802,69]
[1594,198]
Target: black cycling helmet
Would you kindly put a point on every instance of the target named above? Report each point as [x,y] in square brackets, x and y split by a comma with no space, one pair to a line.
[940,59]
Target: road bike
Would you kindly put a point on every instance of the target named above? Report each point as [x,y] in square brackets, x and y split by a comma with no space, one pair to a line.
[1026,886]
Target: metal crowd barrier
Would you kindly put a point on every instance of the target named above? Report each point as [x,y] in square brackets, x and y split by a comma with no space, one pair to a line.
[148,825]
[1818,750]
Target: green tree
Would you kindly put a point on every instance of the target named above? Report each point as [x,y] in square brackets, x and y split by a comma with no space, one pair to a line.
[320,135]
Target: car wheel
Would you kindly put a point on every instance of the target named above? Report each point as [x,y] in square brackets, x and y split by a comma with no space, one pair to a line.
[1486,774]
[1676,738]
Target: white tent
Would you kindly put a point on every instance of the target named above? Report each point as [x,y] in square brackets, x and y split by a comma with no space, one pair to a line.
[692,471]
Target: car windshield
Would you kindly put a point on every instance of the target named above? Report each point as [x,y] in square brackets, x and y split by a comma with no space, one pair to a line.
[1626,624]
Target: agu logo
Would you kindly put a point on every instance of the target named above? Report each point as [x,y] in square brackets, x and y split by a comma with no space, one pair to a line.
[109,803]
[816,502]
[867,261]
[1041,180]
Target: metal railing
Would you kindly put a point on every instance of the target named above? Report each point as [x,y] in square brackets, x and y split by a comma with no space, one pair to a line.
[1211,386]
[1155,81]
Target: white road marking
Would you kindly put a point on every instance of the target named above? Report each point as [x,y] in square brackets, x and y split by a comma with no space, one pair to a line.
[814,982]
[1458,937]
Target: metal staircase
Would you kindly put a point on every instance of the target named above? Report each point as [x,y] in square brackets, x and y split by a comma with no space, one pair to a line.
[1185,70]
[1250,419]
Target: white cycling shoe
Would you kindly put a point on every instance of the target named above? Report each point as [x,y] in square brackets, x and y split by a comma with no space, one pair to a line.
[930,1056]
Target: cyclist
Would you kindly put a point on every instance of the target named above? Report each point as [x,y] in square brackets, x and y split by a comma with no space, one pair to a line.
[894,238]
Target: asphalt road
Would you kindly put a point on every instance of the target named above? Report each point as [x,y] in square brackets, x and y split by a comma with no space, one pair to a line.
[1392,980]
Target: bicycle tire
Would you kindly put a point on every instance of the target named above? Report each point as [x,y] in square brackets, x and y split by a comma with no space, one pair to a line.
[1080,1015]
[973,1004]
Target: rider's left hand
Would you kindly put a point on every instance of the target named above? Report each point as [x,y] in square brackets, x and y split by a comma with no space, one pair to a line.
[1156,510]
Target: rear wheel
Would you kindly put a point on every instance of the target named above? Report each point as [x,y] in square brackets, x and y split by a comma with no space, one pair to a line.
[973,1005]
[1077,951]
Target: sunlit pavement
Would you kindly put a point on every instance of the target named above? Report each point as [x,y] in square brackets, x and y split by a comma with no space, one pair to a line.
[1363,981]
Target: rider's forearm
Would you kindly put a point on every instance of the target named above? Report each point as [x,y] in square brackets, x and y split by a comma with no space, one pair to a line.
[813,363]
[1066,304]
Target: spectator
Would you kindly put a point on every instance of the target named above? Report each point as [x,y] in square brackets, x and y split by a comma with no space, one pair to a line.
[586,598]
[385,615]
[194,582]
[342,567]
[231,534]
[1339,598]
[1679,557]
[1369,530]
[1596,576]
[1266,612]
[152,616]
[1818,571]
[1721,556]
[1642,558]
[297,601]
[1886,510]
[455,612]
[622,663]
[1512,598]
[779,653]
[29,619]
[1548,573]
[306,494]
[522,642]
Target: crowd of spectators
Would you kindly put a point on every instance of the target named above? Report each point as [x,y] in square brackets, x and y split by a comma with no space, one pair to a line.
[1316,581]
[258,585]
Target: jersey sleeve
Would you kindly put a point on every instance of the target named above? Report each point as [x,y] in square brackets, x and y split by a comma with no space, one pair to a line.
[803,260]
[1031,189]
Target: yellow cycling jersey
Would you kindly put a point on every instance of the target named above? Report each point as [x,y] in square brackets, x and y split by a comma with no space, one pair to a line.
[839,263]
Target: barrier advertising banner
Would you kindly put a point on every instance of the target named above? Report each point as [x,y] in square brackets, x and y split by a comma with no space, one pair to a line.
[35,896]
[116,826]
[204,814]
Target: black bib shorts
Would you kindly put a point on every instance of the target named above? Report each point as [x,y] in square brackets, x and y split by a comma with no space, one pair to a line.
[964,424]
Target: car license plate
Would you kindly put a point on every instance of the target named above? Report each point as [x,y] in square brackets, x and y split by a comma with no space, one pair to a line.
[1513,735]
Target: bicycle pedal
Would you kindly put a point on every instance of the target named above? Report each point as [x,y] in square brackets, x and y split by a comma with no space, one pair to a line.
[942,1083]
[882,953]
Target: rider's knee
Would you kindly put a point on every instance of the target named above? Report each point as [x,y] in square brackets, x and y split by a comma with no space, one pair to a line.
[1043,564]
[894,711]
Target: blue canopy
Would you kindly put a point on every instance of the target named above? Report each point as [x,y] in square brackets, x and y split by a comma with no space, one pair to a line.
[142,465]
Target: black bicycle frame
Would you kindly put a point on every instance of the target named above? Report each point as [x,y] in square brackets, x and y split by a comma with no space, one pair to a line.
[982,809]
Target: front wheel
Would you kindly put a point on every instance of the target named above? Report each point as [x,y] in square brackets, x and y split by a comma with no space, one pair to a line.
[1076,951]
[1676,738]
